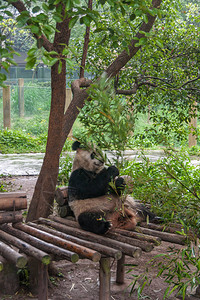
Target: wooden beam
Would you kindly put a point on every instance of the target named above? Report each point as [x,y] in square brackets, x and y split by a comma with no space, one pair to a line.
[89,236]
[116,254]
[68,245]
[11,217]
[165,236]
[18,259]
[139,236]
[40,244]
[145,246]
[23,246]
[13,201]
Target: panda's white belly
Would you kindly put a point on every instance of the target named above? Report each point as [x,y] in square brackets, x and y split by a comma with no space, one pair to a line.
[106,203]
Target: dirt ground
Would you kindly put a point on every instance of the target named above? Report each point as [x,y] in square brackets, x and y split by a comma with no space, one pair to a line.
[81,280]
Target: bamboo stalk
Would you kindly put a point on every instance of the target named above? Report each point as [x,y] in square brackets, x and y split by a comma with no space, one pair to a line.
[24,247]
[50,238]
[13,256]
[98,247]
[10,217]
[40,244]
[125,248]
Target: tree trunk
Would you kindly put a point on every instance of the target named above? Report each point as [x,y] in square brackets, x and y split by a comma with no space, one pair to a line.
[42,201]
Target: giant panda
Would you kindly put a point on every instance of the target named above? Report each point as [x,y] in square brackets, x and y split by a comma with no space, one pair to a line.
[95,195]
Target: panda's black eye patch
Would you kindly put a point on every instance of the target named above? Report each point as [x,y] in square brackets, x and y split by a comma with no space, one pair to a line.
[92,155]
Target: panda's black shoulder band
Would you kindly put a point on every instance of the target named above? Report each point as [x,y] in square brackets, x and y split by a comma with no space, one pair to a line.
[75,145]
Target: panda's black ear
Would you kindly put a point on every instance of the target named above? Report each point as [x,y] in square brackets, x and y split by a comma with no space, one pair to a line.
[75,145]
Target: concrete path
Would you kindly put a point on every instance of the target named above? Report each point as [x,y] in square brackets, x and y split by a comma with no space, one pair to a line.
[30,164]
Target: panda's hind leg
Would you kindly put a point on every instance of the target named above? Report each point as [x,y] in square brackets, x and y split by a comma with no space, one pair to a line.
[93,222]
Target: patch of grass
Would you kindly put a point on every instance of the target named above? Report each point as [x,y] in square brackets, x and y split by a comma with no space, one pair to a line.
[16,141]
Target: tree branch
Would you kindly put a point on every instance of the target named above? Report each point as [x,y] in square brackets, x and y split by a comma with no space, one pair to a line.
[124,57]
[86,43]
[135,88]
[19,5]
[189,81]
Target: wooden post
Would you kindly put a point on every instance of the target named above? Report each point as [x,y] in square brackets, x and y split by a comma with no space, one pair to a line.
[104,278]
[42,281]
[67,103]
[192,139]
[21,97]
[6,107]
[120,270]
[9,279]
[38,278]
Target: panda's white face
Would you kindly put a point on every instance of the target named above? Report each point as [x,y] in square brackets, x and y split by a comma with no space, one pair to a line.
[87,160]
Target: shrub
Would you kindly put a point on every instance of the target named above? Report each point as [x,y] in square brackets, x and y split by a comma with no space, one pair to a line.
[15,141]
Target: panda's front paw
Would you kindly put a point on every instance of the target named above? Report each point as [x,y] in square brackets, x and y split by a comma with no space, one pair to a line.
[113,171]
[120,184]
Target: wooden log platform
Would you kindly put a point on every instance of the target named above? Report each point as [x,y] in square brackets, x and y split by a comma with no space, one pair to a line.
[57,238]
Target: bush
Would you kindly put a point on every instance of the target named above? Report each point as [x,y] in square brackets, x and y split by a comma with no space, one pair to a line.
[170,185]
[15,141]
[65,170]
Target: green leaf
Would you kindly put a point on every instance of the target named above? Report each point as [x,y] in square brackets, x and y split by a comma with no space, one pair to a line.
[31,51]
[2,77]
[31,63]
[138,12]
[57,17]
[52,61]
[145,19]
[85,20]
[8,13]
[59,67]
[34,29]
[132,17]
[36,9]
[45,7]
[73,21]
[143,41]
[65,51]
[160,44]
[52,53]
